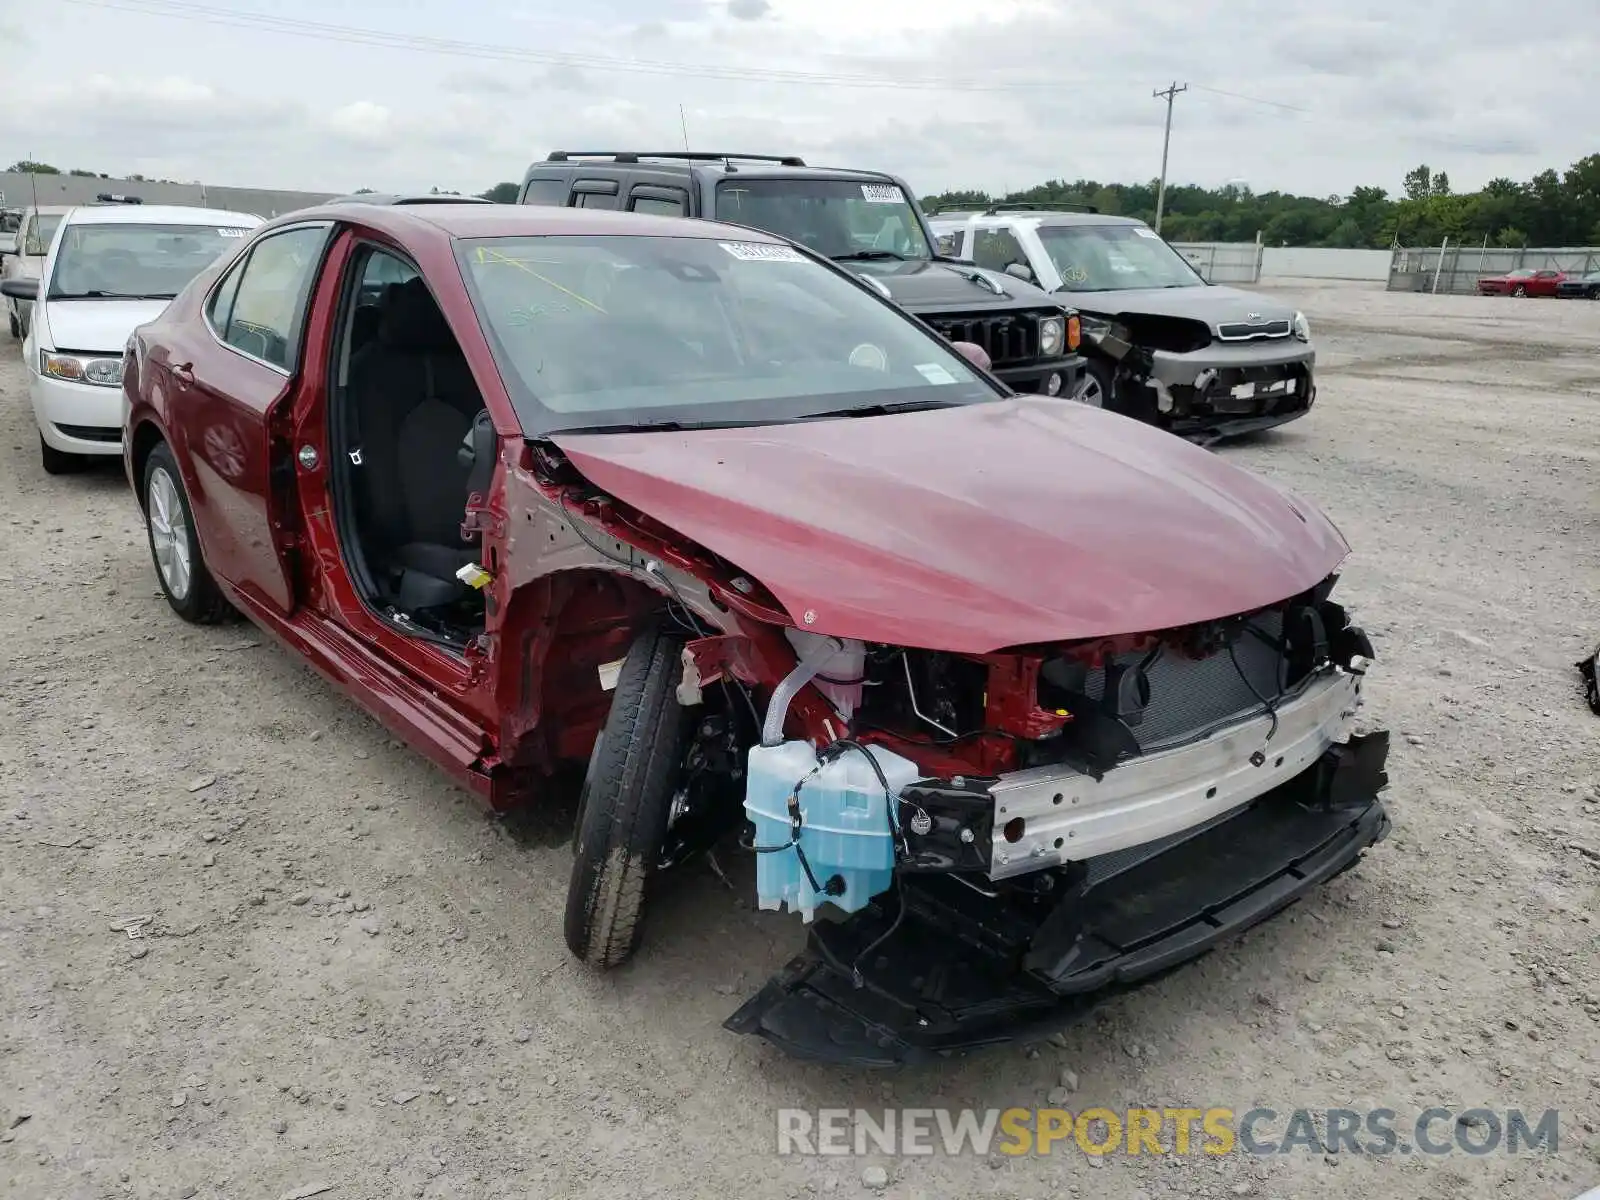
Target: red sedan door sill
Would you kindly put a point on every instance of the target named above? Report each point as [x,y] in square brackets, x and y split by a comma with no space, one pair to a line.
[425,717]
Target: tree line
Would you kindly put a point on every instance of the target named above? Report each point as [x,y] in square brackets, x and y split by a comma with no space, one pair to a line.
[1551,209]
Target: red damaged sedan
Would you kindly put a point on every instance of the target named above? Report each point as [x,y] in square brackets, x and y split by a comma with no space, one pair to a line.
[1023,701]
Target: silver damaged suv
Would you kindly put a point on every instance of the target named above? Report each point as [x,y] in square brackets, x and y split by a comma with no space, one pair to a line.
[1162,344]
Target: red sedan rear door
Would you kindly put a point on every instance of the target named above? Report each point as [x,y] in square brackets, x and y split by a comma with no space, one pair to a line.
[244,370]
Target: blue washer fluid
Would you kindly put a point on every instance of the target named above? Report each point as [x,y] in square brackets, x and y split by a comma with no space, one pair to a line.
[846,824]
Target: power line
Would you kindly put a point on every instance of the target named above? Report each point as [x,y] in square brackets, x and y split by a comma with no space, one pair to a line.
[1200,87]
[203,14]
[295,27]
[1170,93]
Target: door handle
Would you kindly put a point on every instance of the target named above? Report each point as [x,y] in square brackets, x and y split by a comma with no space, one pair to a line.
[183,373]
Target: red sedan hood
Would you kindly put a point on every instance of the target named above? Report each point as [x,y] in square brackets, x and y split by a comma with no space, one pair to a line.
[974,529]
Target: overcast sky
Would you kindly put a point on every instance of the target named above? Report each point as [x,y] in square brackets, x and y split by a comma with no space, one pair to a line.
[997,94]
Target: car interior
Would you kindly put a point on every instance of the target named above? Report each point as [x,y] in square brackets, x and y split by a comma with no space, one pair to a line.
[412,442]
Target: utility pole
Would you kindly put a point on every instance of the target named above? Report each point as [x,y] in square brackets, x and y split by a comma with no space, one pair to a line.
[1167,93]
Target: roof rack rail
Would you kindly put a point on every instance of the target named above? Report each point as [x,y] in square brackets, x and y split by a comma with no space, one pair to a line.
[1029,206]
[633,156]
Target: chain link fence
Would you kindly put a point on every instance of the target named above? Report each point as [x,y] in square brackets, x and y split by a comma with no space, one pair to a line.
[1223,262]
[1455,270]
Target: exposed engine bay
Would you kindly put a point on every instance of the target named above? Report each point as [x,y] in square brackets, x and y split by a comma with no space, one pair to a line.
[1041,759]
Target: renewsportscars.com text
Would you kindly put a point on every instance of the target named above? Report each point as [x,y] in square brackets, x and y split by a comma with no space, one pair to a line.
[1157,1131]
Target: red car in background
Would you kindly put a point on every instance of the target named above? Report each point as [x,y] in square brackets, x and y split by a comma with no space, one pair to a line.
[1524,281]
[1043,701]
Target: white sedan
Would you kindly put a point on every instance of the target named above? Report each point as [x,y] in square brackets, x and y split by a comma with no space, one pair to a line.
[110,269]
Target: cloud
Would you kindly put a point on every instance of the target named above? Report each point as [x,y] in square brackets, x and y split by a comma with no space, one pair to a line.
[944,92]
[362,121]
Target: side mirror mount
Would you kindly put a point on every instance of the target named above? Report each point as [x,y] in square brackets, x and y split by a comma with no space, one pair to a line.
[20,289]
[974,354]
[1021,271]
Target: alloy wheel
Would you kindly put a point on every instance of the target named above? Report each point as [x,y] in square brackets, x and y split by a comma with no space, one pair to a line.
[1090,392]
[169,533]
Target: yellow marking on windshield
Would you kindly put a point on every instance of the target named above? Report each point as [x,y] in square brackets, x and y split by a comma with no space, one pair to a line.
[485,255]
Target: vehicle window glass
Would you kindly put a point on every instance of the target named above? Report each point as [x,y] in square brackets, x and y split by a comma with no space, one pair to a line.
[609,330]
[545,191]
[270,305]
[949,244]
[221,306]
[134,260]
[835,217]
[659,205]
[997,249]
[383,269]
[594,199]
[1110,258]
[40,233]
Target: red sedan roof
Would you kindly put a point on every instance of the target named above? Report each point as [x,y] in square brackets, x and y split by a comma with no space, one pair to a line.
[521,220]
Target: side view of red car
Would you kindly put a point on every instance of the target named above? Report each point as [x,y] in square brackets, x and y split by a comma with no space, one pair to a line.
[1030,701]
[1524,281]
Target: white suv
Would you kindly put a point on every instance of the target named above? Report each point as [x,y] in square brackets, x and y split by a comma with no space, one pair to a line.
[109,269]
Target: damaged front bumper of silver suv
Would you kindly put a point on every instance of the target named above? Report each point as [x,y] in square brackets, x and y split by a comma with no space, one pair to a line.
[1222,390]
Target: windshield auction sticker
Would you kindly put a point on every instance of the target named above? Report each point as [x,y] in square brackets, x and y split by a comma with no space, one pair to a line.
[882,193]
[761,252]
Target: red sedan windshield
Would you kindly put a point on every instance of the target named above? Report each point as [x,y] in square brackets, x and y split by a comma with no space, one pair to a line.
[607,330]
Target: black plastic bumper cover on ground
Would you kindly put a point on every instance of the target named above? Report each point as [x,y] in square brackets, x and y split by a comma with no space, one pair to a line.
[962,970]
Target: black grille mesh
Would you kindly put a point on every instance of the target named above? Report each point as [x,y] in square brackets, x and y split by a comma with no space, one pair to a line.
[1188,696]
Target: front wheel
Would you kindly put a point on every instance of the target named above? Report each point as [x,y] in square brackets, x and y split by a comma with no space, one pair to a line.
[169,521]
[627,802]
[1519,290]
[1095,389]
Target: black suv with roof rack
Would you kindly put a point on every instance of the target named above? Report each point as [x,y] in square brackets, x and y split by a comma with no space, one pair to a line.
[867,221]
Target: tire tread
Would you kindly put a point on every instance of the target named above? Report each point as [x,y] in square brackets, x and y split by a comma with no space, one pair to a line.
[626,803]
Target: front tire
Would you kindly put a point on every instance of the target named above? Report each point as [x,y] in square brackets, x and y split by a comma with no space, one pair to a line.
[1095,390]
[174,546]
[627,802]
[1519,291]
[16,325]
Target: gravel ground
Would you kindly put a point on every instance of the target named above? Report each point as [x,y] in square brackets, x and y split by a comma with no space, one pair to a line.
[352,978]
